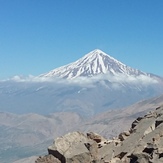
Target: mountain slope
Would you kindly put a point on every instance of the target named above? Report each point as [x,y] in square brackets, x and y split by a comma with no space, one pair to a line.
[26,135]
[112,122]
[94,63]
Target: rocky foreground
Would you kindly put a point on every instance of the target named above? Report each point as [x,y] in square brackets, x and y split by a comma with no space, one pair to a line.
[142,143]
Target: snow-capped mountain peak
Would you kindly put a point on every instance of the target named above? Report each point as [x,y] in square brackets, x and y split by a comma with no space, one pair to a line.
[94,63]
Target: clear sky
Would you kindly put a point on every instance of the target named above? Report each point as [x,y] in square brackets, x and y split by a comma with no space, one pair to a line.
[39,35]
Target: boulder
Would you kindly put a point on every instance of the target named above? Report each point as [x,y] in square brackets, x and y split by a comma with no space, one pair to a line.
[71,145]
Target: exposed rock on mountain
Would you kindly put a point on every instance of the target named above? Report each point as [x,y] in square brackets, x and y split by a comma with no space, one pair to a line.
[142,143]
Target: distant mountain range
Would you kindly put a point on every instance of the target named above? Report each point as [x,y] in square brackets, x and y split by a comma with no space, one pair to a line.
[28,135]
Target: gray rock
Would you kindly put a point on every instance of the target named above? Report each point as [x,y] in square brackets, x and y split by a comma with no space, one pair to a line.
[81,158]
[47,159]
[71,145]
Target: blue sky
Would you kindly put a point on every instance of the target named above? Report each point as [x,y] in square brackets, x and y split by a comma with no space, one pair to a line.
[38,35]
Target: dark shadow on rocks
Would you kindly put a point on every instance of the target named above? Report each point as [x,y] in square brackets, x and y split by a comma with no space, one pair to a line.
[158,122]
[121,155]
[133,159]
[57,155]
[148,150]
[160,155]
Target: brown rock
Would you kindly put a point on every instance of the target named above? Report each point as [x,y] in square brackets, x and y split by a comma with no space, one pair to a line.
[95,137]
